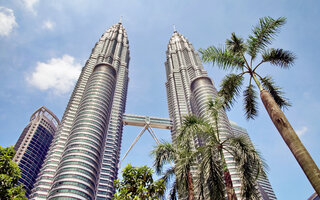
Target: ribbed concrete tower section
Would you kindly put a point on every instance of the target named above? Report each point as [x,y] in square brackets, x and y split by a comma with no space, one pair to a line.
[78,170]
[92,131]
[182,65]
[202,90]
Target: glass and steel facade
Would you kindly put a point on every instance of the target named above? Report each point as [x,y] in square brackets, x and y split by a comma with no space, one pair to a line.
[82,160]
[33,144]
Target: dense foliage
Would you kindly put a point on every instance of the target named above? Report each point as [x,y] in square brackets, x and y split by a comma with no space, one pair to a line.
[137,183]
[9,176]
[201,170]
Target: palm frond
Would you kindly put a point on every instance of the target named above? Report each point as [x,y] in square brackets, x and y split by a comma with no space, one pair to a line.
[223,58]
[168,175]
[263,34]
[249,165]
[275,92]
[235,45]
[164,153]
[190,125]
[215,106]
[250,102]
[210,173]
[200,184]
[278,57]
[186,159]
[214,181]
[190,130]
[173,192]
[230,88]
[182,170]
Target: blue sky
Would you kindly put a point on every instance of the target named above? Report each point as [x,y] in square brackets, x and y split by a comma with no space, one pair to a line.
[44,44]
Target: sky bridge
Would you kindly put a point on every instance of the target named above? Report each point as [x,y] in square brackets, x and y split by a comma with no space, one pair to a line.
[153,122]
[148,123]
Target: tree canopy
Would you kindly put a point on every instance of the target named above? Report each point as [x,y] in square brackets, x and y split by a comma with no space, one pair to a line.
[9,176]
[137,183]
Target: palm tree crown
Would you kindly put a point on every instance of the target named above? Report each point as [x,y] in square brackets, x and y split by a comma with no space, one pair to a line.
[239,56]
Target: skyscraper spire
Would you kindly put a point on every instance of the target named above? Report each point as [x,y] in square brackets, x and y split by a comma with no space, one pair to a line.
[120,21]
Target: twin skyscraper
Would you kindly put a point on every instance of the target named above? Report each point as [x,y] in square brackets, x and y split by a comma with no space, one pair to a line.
[82,161]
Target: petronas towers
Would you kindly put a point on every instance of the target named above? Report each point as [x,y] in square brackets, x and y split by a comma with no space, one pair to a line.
[82,161]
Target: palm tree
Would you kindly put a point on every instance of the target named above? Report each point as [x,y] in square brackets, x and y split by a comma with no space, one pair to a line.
[239,56]
[165,153]
[214,108]
[214,173]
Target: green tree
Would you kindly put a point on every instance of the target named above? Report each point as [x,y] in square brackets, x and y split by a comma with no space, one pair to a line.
[9,176]
[214,175]
[138,183]
[241,56]
[183,157]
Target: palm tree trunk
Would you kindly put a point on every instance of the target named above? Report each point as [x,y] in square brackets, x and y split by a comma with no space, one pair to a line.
[303,157]
[231,194]
[190,187]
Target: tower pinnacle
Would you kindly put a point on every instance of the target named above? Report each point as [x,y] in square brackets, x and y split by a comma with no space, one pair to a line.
[120,21]
[174,28]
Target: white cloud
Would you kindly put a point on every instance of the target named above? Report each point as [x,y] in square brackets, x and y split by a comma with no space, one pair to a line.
[7,21]
[57,75]
[29,5]
[49,25]
[302,131]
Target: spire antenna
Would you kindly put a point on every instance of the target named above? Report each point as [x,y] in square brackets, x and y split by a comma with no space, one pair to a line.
[174,28]
[120,21]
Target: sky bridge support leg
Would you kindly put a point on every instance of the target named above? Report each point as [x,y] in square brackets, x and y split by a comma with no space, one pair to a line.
[134,142]
[152,133]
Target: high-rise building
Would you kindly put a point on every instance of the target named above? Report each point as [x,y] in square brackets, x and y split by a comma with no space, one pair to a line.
[188,91]
[82,160]
[314,196]
[33,144]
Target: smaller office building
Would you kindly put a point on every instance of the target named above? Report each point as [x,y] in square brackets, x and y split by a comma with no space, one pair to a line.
[33,145]
[314,196]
